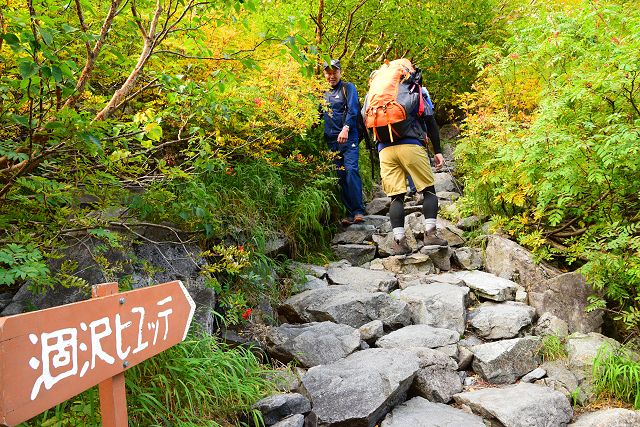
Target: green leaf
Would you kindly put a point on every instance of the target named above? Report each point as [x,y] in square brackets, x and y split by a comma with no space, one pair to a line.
[27,68]
[56,72]
[13,41]
[153,131]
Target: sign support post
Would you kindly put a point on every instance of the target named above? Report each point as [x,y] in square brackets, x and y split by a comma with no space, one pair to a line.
[112,392]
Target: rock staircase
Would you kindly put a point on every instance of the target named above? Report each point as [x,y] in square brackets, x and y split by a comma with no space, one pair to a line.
[429,339]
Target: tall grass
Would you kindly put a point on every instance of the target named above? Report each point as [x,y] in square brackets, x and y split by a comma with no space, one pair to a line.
[199,382]
[617,374]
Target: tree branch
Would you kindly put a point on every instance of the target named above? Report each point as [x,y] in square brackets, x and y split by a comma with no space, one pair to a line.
[92,54]
[348,30]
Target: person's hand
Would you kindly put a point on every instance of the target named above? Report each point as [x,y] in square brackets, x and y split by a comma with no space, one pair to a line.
[439,160]
[343,136]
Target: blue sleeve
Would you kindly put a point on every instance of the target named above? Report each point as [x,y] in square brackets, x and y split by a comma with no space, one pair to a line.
[352,107]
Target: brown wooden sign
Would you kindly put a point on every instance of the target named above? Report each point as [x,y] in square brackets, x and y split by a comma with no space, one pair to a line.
[49,356]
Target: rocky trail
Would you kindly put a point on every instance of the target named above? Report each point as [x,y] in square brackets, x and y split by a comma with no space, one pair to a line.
[440,337]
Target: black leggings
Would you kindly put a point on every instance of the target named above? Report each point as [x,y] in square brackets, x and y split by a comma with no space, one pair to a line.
[429,206]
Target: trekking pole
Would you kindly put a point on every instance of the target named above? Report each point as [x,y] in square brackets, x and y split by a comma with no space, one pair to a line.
[455,182]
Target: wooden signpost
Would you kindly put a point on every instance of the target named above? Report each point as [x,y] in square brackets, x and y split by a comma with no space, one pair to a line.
[49,356]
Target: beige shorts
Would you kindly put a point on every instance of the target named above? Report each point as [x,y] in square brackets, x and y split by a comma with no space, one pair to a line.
[398,161]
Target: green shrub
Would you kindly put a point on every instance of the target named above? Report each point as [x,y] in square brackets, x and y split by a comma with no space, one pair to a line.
[197,382]
[552,348]
[551,142]
[617,374]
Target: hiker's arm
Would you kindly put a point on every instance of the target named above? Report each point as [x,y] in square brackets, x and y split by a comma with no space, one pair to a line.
[433,131]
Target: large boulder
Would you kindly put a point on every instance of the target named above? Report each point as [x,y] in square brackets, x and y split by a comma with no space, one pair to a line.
[565,296]
[582,349]
[496,321]
[488,286]
[520,405]
[419,412]
[339,304]
[361,389]
[312,344]
[612,417]
[408,264]
[355,234]
[356,254]
[362,279]
[275,408]
[379,206]
[419,336]
[440,305]
[468,258]
[503,362]
[509,260]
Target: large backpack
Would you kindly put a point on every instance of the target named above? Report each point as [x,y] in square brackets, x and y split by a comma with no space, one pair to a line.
[394,102]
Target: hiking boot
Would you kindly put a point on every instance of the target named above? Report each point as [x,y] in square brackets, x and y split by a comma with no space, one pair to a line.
[400,247]
[431,239]
[346,221]
[358,218]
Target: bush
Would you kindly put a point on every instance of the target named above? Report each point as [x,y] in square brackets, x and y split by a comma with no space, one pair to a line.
[550,147]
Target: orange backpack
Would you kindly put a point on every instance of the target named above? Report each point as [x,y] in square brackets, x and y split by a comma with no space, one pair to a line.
[394,102]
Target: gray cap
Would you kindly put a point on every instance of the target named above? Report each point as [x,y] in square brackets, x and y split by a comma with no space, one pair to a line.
[335,63]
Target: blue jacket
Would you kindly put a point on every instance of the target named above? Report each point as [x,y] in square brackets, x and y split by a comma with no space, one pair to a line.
[341,111]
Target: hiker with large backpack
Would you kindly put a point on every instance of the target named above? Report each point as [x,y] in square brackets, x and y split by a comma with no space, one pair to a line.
[393,108]
[433,133]
[341,133]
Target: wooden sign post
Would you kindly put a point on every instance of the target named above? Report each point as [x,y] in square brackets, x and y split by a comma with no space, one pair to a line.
[49,356]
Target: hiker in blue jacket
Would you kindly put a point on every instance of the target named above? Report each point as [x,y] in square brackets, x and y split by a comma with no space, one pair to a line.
[341,133]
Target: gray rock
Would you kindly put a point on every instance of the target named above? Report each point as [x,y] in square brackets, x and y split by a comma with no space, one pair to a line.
[407,264]
[449,232]
[465,358]
[418,336]
[372,330]
[382,223]
[507,259]
[468,258]
[286,380]
[520,405]
[448,195]
[451,277]
[275,408]
[468,223]
[379,206]
[498,321]
[565,296]
[419,412]
[564,380]
[311,282]
[314,270]
[359,390]
[5,299]
[343,263]
[296,420]
[534,375]
[356,254]
[429,357]
[441,257]
[362,279]
[488,285]
[313,343]
[355,235]
[582,349]
[440,305]
[339,304]
[614,417]
[522,295]
[437,384]
[277,243]
[444,182]
[503,362]
[385,243]
[548,324]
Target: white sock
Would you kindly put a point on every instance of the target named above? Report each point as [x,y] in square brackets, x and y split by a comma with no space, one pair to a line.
[398,233]
[430,225]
